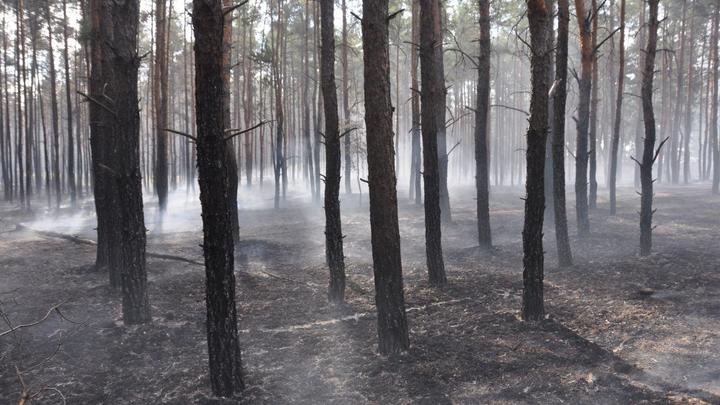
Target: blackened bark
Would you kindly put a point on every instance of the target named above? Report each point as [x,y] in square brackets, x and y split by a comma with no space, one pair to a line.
[533,255]
[54,110]
[558,141]
[384,228]
[346,101]
[68,101]
[432,100]
[582,122]
[103,145]
[714,108]
[649,154]
[481,128]
[594,103]
[223,343]
[233,178]
[160,90]
[416,162]
[123,90]
[333,227]
[615,144]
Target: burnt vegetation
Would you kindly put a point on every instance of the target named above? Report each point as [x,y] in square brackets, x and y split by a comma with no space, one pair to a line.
[359,201]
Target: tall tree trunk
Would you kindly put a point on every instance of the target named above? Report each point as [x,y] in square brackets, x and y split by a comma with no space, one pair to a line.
[690,101]
[714,107]
[433,100]
[160,90]
[249,107]
[214,178]
[54,109]
[481,128]
[558,142]
[231,159]
[68,101]
[674,163]
[533,256]
[649,153]
[415,180]
[584,20]
[594,104]
[346,100]
[279,154]
[385,233]
[123,90]
[615,144]
[333,229]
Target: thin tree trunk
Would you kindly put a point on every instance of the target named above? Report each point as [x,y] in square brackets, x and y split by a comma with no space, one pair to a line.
[594,104]
[415,180]
[649,154]
[346,102]
[160,90]
[618,114]
[714,105]
[481,128]
[558,143]
[68,101]
[582,123]
[333,229]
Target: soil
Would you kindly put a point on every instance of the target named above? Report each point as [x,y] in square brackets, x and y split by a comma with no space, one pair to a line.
[621,329]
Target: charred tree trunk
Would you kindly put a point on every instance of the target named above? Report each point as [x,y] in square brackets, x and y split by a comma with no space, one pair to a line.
[416,163]
[714,104]
[333,228]
[346,100]
[68,101]
[558,141]
[584,20]
[54,110]
[160,90]
[103,143]
[533,257]
[123,90]
[433,100]
[594,104]
[231,159]
[481,128]
[649,153]
[615,144]
[214,178]
[384,228]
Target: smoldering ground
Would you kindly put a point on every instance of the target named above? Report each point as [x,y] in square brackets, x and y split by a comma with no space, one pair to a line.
[622,329]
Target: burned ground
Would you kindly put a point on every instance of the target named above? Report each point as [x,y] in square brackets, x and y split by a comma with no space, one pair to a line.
[621,329]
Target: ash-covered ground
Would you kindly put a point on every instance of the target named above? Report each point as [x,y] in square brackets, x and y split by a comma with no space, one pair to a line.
[621,329]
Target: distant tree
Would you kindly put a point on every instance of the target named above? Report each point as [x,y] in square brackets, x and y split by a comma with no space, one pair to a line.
[433,124]
[68,102]
[615,142]
[213,175]
[558,136]
[714,91]
[53,108]
[649,152]
[539,15]
[481,128]
[333,226]
[584,20]
[160,96]
[416,158]
[384,228]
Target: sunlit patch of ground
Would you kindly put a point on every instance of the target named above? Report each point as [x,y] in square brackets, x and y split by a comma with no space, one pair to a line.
[622,329]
